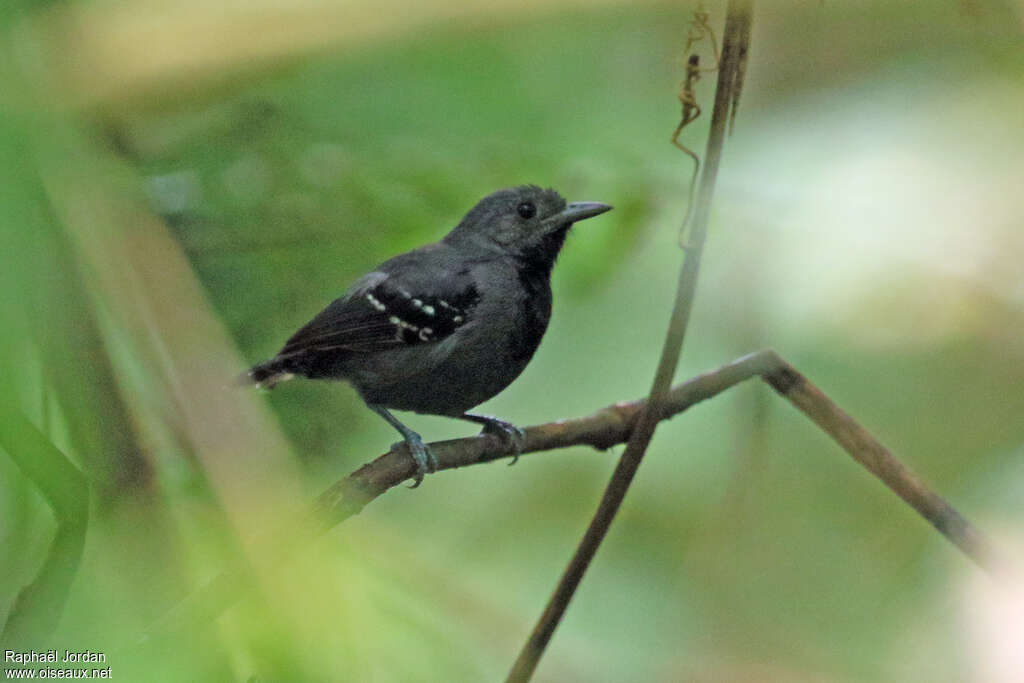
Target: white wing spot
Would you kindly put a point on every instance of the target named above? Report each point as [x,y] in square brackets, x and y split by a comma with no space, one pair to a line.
[425,333]
[429,310]
[402,325]
[457,319]
[375,302]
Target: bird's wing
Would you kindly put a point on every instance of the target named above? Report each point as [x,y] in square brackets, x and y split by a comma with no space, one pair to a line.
[410,300]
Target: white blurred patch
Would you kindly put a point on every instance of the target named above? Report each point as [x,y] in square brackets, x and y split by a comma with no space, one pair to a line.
[897,211]
[994,624]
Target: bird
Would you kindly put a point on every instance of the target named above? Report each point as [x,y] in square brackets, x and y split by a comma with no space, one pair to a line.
[442,328]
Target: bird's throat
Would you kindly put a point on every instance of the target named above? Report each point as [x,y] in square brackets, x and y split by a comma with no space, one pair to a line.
[539,258]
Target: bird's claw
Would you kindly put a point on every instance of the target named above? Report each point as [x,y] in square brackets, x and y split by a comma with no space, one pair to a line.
[425,461]
[513,436]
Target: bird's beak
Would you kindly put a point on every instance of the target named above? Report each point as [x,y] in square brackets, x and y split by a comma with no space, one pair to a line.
[577,211]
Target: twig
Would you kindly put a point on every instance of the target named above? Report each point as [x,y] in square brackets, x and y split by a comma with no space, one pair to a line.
[613,425]
[877,459]
[605,428]
[738,16]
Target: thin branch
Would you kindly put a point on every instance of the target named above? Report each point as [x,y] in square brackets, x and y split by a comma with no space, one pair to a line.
[613,425]
[877,459]
[738,18]
[603,429]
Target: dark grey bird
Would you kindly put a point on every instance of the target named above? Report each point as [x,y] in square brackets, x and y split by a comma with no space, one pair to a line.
[442,328]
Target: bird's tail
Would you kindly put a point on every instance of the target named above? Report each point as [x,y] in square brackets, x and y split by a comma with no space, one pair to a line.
[265,375]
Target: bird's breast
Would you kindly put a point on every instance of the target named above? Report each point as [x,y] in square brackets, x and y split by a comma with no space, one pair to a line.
[534,313]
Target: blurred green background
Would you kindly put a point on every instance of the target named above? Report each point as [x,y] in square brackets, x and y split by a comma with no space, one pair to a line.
[184,184]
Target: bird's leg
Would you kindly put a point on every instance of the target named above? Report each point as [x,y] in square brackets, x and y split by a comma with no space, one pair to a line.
[425,462]
[514,437]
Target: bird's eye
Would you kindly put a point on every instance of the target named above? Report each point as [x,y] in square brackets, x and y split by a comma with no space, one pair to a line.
[526,210]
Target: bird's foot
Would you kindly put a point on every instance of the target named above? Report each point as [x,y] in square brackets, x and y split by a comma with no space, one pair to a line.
[513,437]
[426,463]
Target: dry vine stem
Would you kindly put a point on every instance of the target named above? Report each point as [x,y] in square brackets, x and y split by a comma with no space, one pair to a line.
[614,424]
[700,30]
[730,65]
[607,427]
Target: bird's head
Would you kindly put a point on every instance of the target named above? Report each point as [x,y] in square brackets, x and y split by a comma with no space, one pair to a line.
[526,222]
